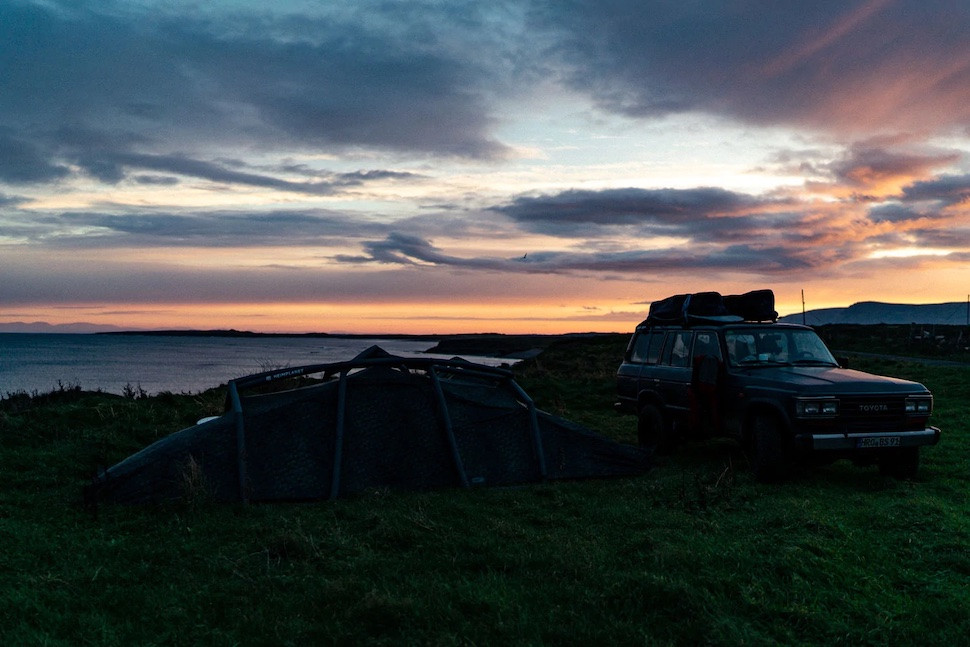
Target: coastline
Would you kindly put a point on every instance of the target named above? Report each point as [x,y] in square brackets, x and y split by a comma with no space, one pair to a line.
[501,345]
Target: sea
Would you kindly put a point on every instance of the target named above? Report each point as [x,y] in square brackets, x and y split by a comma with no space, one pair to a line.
[40,363]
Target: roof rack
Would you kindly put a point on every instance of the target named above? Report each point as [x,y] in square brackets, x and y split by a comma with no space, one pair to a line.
[713,308]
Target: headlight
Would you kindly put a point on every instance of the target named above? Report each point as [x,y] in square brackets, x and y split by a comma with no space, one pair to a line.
[811,408]
[919,405]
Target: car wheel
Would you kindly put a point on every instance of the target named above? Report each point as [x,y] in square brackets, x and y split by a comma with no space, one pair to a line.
[769,460]
[651,431]
[901,463]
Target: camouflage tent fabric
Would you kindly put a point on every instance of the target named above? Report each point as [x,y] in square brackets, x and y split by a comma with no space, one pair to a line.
[378,421]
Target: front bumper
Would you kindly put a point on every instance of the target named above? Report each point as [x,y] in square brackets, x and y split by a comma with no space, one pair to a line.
[869,440]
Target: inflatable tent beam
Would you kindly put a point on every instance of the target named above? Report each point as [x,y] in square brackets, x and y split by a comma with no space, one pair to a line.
[449,429]
[343,369]
[236,405]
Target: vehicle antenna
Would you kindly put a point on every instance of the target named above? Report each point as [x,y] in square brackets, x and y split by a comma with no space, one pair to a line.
[803,307]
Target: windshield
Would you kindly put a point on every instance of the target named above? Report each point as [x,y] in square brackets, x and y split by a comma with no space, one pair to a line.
[777,346]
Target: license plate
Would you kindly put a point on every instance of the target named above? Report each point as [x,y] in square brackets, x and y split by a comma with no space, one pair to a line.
[879,441]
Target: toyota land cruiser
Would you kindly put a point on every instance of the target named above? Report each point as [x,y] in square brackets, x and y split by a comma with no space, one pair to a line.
[704,365]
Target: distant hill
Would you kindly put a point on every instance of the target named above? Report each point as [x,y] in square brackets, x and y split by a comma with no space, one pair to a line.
[44,327]
[874,312]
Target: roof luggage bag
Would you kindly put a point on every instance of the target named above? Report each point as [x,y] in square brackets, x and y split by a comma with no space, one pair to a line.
[707,307]
[757,305]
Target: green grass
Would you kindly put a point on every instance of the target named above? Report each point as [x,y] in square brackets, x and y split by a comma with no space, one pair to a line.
[695,551]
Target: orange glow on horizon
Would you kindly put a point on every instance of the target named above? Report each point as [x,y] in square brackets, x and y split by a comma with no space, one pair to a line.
[554,315]
[404,318]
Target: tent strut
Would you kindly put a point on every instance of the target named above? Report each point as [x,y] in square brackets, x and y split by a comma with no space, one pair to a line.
[534,420]
[240,441]
[338,449]
[449,430]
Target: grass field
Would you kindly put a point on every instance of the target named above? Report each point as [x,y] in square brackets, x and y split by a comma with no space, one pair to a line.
[693,552]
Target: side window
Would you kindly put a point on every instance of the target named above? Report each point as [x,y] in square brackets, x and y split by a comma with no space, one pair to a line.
[705,343]
[653,352]
[640,345]
[668,347]
[680,349]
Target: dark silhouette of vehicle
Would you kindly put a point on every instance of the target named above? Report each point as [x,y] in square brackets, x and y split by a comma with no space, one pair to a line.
[704,365]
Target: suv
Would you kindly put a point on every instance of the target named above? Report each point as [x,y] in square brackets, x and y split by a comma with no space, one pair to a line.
[714,370]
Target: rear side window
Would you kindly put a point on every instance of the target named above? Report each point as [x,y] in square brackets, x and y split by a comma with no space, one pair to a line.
[646,348]
[640,345]
[653,351]
[680,348]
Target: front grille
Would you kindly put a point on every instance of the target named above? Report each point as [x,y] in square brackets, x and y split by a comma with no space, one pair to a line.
[860,414]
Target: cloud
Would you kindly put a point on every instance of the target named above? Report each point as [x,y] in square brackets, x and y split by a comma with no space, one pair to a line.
[156,180]
[165,81]
[50,280]
[703,214]
[11,200]
[751,258]
[22,162]
[957,238]
[404,249]
[110,167]
[874,170]
[946,189]
[895,213]
[212,229]
[626,206]
[844,68]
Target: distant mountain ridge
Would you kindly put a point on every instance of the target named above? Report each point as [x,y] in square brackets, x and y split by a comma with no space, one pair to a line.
[875,312]
[44,327]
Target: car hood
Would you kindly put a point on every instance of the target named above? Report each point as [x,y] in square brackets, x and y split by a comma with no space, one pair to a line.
[828,379]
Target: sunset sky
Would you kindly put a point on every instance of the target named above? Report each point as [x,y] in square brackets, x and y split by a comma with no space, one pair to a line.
[443,167]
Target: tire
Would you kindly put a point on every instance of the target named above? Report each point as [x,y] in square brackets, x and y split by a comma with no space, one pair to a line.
[651,430]
[769,458]
[902,463]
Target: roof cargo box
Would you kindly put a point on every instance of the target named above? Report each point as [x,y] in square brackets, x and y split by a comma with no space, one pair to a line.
[712,307]
[683,307]
[757,305]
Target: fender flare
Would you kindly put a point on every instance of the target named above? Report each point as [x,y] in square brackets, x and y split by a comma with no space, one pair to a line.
[759,406]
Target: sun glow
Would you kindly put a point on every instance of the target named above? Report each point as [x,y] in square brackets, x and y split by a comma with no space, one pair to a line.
[909,252]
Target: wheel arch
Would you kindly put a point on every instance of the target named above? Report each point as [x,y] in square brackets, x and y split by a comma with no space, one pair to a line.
[650,397]
[757,408]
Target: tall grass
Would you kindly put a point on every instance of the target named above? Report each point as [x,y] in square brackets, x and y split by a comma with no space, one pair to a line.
[695,551]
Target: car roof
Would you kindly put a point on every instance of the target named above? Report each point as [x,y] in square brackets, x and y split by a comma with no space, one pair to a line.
[741,325]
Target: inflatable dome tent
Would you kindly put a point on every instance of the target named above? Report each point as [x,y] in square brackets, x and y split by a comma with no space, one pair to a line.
[376,421]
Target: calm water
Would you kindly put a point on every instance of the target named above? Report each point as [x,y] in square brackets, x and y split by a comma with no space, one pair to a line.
[30,362]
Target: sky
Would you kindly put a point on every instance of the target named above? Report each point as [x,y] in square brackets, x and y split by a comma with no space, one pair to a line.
[432,166]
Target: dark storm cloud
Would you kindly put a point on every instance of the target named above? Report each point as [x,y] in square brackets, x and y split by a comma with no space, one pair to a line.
[174,81]
[861,66]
